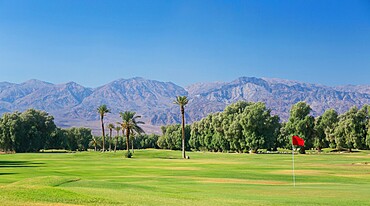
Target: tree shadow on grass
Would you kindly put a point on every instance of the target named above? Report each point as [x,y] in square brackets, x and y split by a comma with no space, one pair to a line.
[7,173]
[20,164]
[169,158]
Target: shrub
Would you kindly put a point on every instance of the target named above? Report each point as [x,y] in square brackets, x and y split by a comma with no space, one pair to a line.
[128,154]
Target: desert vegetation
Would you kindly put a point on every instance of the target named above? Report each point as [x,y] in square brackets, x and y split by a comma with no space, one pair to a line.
[248,127]
[241,127]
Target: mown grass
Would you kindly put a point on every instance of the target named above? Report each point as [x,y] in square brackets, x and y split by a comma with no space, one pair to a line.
[160,177]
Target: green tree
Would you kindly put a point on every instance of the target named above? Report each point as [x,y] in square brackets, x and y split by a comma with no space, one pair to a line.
[259,127]
[172,137]
[301,123]
[368,134]
[38,126]
[10,127]
[236,129]
[283,139]
[79,138]
[58,140]
[148,141]
[29,131]
[324,129]
[102,110]
[182,101]
[129,125]
[351,130]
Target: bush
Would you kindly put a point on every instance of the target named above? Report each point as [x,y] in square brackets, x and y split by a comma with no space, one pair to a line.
[128,154]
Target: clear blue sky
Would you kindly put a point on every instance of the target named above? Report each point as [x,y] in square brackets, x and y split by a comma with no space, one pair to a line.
[96,42]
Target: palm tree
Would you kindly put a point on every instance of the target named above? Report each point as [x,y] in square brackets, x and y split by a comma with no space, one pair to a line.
[110,127]
[130,125]
[102,110]
[182,101]
[94,142]
[118,128]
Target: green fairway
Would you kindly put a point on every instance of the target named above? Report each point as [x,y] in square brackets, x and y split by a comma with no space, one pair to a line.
[159,177]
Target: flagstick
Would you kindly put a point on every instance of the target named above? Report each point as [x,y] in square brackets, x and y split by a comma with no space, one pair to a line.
[293,166]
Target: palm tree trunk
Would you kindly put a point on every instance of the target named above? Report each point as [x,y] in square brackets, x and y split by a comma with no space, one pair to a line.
[110,139]
[102,127]
[127,140]
[132,146]
[115,144]
[183,132]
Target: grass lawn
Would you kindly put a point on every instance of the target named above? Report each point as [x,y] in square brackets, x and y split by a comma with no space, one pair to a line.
[160,177]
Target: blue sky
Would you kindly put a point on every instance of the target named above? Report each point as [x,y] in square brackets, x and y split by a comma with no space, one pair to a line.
[96,42]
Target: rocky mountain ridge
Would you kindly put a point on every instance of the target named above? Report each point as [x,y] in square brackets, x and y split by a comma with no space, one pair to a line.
[74,105]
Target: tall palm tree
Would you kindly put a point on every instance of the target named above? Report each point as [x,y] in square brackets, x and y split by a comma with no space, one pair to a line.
[118,128]
[182,101]
[102,110]
[110,127]
[130,124]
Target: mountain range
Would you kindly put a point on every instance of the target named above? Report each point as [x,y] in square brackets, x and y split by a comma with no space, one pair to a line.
[74,105]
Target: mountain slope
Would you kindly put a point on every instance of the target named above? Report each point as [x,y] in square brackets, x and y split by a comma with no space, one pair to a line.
[280,95]
[74,105]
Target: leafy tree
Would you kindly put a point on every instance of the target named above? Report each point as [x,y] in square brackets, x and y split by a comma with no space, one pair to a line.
[319,134]
[235,129]
[368,135]
[102,110]
[234,134]
[78,138]
[58,140]
[130,125]
[172,137]
[147,141]
[259,127]
[324,129]
[351,130]
[301,123]
[10,127]
[219,141]
[29,131]
[283,139]
[194,136]
[38,126]
[365,124]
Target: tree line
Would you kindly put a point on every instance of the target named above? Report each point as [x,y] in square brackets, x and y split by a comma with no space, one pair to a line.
[34,130]
[247,127]
[241,127]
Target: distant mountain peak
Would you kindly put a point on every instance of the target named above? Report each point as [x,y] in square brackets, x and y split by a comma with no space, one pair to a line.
[74,104]
[36,82]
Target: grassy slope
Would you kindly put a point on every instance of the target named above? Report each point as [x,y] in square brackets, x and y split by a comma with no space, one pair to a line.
[157,177]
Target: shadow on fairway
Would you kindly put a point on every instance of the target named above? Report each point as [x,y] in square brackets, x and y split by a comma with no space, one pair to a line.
[7,173]
[170,158]
[19,164]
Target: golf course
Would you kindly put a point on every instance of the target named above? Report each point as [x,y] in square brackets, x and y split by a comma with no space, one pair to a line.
[162,177]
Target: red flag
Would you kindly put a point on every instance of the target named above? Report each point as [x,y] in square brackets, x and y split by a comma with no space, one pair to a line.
[298,141]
